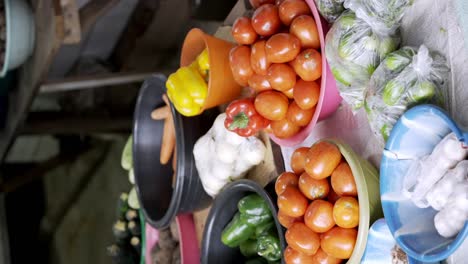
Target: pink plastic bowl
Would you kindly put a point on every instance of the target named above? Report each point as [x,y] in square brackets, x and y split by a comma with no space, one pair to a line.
[329,98]
[189,250]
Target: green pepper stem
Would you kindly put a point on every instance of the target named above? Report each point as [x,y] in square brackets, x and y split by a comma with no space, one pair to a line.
[241,120]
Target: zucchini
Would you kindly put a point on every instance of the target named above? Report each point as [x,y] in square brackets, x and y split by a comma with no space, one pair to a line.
[134,228]
[122,206]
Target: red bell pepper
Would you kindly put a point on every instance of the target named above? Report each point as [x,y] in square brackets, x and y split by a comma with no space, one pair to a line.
[243,119]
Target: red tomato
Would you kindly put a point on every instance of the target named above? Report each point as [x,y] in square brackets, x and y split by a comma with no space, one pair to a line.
[286,220]
[292,202]
[332,196]
[289,93]
[282,47]
[308,65]
[305,29]
[243,32]
[319,216]
[342,180]
[284,180]
[258,58]
[284,128]
[302,239]
[290,9]
[272,105]
[282,77]
[339,242]
[313,189]
[292,256]
[257,3]
[346,212]
[298,160]
[265,20]
[322,159]
[323,258]
[299,116]
[239,60]
[259,83]
[306,94]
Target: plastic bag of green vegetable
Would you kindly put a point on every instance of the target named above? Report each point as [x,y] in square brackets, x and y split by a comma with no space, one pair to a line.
[405,78]
[330,9]
[359,40]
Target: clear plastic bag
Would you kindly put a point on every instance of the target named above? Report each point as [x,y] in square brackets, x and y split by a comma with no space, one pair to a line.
[405,78]
[330,9]
[359,40]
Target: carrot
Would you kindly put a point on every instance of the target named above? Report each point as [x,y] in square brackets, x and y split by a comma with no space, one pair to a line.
[161,113]
[168,140]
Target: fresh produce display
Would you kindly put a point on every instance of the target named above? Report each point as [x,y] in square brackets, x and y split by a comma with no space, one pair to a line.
[406,77]
[253,230]
[321,225]
[359,40]
[440,180]
[330,9]
[278,58]
[222,156]
[167,249]
[187,88]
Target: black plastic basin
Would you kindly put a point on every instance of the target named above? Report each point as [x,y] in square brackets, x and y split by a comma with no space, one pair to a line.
[159,200]
[223,210]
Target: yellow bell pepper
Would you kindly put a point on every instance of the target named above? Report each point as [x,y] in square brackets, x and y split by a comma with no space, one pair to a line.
[187,90]
[204,64]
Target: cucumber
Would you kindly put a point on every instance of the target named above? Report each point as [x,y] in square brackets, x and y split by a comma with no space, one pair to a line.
[133,199]
[127,155]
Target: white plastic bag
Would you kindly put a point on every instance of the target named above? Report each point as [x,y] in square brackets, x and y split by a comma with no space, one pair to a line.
[405,78]
[359,40]
[330,9]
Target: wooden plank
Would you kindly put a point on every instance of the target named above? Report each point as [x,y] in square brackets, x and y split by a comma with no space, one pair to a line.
[71,22]
[49,35]
[88,82]
[90,13]
[66,124]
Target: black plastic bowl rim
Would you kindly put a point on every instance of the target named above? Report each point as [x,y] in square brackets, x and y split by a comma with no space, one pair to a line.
[224,205]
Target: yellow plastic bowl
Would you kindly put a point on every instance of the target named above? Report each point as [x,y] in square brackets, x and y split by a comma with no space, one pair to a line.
[366,177]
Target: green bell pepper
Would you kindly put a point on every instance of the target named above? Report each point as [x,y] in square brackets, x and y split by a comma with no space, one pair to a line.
[254,220]
[268,246]
[248,248]
[264,228]
[236,232]
[253,205]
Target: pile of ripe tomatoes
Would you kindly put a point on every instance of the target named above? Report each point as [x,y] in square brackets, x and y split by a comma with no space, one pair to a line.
[318,205]
[278,58]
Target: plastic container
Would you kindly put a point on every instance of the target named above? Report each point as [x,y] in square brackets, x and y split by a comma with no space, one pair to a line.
[367,183]
[20,34]
[415,135]
[160,200]
[189,251]
[380,245]
[222,88]
[223,210]
[329,98]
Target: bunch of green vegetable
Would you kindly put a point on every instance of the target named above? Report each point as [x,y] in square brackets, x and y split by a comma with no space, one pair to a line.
[253,230]
[330,9]
[127,234]
[359,40]
[405,78]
